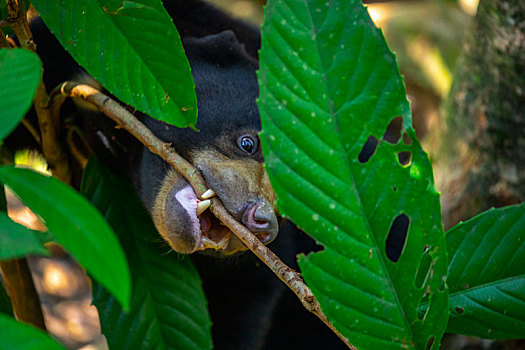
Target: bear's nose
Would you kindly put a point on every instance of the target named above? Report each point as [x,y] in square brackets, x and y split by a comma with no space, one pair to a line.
[260,219]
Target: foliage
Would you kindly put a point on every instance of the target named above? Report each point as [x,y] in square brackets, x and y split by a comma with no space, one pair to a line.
[328,83]
[486,275]
[16,335]
[16,240]
[131,63]
[329,89]
[168,307]
[75,224]
[3,9]
[20,73]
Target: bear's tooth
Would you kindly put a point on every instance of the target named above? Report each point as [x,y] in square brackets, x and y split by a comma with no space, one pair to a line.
[223,243]
[208,243]
[202,206]
[208,194]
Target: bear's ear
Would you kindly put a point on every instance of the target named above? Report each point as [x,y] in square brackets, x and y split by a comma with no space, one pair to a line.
[199,18]
[223,49]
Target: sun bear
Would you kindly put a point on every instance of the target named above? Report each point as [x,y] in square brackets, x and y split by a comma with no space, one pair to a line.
[249,307]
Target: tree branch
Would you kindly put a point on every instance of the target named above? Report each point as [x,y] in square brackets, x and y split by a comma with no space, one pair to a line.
[19,285]
[55,157]
[3,41]
[127,121]
[16,274]
[32,131]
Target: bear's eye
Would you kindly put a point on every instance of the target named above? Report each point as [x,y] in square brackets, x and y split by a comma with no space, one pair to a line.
[247,144]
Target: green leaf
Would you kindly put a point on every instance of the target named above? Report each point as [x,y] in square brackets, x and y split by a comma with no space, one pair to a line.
[327,83]
[20,73]
[486,274]
[77,226]
[3,200]
[132,48]
[3,10]
[19,336]
[5,302]
[17,241]
[168,306]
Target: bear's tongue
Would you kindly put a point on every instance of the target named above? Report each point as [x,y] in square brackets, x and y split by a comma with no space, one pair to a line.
[205,222]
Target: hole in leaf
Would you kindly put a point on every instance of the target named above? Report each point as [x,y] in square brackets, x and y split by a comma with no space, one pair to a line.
[430,342]
[404,158]
[422,312]
[395,241]
[459,310]
[394,188]
[406,139]
[442,286]
[368,149]
[393,131]
[423,270]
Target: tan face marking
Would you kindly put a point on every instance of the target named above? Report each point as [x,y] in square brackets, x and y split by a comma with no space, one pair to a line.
[241,184]
[238,183]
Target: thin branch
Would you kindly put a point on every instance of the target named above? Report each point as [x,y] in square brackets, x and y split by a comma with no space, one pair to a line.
[32,130]
[17,276]
[17,20]
[51,148]
[129,122]
[75,151]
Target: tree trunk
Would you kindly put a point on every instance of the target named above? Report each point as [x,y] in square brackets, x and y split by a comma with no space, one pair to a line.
[481,163]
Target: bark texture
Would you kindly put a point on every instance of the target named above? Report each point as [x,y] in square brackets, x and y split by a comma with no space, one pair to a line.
[481,163]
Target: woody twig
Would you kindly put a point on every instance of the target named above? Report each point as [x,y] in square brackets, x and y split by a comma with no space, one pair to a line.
[51,148]
[129,122]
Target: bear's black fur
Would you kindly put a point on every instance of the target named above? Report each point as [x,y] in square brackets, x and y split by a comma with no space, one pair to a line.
[250,308]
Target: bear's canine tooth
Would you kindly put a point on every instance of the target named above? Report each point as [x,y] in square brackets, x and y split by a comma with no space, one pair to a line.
[208,243]
[208,194]
[224,242]
[202,206]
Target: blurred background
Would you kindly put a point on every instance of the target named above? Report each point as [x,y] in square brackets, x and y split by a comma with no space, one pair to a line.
[427,38]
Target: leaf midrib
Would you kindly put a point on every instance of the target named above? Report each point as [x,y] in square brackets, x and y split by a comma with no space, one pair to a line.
[353,182]
[493,284]
[108,19]
[485,285]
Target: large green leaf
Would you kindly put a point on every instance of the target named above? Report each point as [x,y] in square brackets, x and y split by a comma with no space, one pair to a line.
[20,73]
[486,274]
[16,240]
[168,306]
[132,48]
[328,82]
[19,336]
[76,225]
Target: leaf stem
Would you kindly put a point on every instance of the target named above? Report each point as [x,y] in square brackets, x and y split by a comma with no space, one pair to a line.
[164,150]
